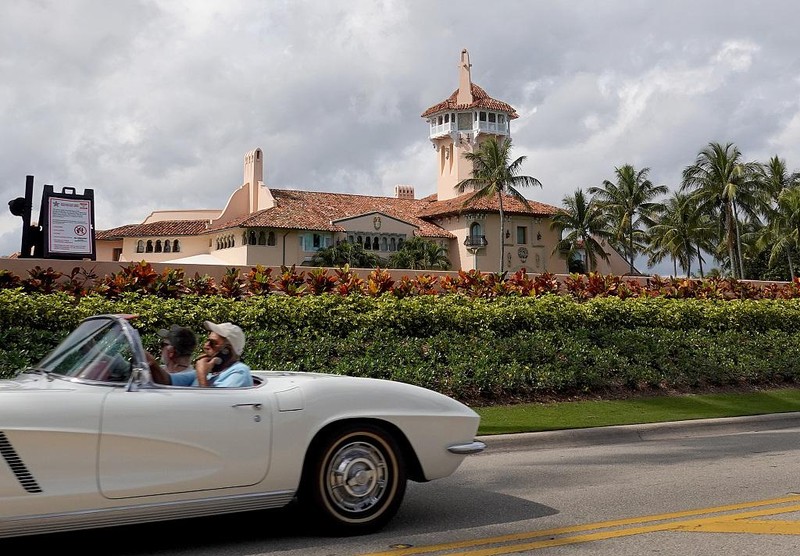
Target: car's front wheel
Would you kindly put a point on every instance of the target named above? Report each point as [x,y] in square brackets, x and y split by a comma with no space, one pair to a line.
[354,479]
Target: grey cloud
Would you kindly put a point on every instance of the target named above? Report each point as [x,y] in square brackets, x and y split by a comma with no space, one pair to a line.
[154,104]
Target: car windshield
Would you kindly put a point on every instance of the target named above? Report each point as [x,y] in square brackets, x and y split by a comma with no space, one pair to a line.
[97,350]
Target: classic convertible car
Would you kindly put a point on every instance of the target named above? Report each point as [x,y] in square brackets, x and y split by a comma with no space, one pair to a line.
[89,440]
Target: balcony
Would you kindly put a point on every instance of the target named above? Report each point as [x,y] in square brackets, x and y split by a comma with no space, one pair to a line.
[441,130]
[495,128]
[475,242]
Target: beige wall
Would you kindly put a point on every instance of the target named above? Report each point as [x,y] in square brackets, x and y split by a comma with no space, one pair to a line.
[540,256]
[104,250]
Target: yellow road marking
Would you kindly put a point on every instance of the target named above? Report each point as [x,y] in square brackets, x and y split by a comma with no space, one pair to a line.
[675,521]
[755,527]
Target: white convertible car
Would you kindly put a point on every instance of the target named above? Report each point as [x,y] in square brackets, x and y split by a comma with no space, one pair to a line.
[88,440]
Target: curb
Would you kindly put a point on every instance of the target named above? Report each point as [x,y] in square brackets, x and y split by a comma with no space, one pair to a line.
[622,434]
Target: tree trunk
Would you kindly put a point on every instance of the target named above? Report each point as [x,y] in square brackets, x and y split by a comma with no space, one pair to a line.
[502,232]
[730,233]
[630,250]
[700,261]
[738,242]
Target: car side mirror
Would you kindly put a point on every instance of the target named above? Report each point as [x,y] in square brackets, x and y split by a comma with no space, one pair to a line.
[141,377]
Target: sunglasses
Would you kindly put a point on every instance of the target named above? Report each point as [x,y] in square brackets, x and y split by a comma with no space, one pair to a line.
[214,343]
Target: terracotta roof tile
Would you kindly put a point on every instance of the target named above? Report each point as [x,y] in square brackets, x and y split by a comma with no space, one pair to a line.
[479,100]
[155,229]
[511,205]
[319,211]
[314,210]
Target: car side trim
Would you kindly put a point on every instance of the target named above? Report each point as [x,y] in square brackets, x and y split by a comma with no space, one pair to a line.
[141,513]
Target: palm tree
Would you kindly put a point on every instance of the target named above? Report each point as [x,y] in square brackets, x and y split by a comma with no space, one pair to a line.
[783,230]
[492,175]
[722,185]
[585,223]
[420,254]
[628,203]
[774,179]
[346,253]
[681,232]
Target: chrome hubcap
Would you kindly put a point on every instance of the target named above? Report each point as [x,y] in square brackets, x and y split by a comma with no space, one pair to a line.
[356,477]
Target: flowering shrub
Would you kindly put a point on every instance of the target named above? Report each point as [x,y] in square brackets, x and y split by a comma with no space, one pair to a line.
[259,281]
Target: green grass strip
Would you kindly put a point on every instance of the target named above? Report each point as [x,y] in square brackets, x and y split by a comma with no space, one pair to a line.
[583,414]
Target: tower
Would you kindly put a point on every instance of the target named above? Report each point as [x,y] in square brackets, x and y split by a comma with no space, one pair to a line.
[459,124]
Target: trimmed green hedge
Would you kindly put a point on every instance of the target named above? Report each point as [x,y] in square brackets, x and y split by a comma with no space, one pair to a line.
[476,350]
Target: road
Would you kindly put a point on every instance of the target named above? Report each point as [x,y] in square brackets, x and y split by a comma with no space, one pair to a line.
[707,487]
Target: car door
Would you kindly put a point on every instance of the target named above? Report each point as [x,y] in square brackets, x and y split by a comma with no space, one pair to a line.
[171,439]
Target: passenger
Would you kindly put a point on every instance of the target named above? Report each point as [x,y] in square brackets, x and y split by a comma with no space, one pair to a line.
[177,347]
[219,365]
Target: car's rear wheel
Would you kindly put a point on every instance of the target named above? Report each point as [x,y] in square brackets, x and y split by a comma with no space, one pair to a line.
[355,479]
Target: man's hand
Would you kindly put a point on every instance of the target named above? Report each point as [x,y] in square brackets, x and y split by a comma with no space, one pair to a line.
[160,376]
[203,366]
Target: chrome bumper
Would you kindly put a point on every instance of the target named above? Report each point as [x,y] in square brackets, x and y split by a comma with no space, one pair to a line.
[466,449]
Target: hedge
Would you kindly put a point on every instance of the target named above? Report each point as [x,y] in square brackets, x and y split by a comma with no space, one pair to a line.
[478,350]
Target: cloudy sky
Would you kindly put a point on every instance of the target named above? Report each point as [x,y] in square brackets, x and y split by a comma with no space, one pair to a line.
[153,103]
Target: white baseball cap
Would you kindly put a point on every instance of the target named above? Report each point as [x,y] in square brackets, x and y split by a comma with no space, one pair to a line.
[230,332]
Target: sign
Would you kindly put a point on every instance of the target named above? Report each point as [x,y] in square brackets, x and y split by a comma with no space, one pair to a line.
[67,222]
[70,224]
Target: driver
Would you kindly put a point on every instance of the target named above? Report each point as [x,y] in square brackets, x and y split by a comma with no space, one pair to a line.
[219,365]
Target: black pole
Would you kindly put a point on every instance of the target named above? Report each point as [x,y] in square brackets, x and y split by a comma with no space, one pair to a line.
[27,240]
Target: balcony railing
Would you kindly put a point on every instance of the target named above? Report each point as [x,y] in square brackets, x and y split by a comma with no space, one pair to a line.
[493,127]
[475,242]
[483,127]
[442,129]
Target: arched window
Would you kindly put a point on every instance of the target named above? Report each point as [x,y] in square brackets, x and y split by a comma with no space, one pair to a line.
[375,245]
[167,247]
[140,246]
[399,243]
[262,238]
[244,238]
[475,230]
[368,243]
[252,237]
[392,245]
[271,239]
[176,246]
[384,244]
[158,246]
[149,247]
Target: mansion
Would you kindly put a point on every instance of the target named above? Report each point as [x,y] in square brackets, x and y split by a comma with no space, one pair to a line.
[269,226]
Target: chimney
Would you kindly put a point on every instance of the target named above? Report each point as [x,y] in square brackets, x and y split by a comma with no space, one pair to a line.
[403,191]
